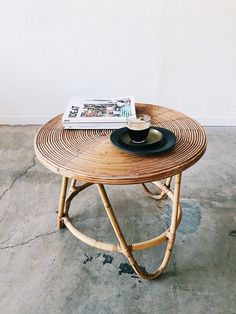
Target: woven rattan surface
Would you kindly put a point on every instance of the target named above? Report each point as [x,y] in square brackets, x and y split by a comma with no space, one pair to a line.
[89,155]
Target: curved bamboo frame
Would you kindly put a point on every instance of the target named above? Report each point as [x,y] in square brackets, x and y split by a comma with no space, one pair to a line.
[123,246]
[162,187]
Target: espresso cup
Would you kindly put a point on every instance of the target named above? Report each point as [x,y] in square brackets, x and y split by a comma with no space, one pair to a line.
[138,127]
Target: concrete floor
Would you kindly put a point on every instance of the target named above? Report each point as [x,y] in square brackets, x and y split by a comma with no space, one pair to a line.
[46,271]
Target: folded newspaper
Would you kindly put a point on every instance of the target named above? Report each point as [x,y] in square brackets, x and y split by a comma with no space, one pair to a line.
[110,113]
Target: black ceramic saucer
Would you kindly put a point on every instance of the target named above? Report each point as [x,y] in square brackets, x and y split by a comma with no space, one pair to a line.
[164,145]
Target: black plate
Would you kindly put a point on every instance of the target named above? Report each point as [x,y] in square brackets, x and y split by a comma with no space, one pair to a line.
[165,145]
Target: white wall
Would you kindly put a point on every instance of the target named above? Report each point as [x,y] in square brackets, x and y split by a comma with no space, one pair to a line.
[178,53]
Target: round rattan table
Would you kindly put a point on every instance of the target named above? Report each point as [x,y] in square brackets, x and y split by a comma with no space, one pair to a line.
[90,157]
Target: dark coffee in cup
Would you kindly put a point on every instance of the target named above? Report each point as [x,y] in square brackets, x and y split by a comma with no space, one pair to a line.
[138,128]
[138,136]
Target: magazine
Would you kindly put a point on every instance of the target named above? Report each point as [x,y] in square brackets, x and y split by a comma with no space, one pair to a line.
[109,113]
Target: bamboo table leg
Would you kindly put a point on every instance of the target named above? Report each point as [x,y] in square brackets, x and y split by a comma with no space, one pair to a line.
[163,193]
[62,202]
[127,249]
[123,246]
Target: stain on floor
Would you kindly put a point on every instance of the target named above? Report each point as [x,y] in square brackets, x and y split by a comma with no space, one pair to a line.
[191,216]
[232,233]
[107,259]
[126,268]
[87,259]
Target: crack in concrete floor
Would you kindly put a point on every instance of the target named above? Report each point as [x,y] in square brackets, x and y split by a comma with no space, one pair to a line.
[28,241]
[18,177]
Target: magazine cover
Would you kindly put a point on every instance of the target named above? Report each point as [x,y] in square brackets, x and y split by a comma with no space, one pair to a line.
[90,111]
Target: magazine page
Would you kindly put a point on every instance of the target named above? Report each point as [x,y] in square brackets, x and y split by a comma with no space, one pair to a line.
[95,125]
[99,110]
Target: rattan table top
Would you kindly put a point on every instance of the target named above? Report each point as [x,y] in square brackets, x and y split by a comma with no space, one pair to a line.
[89,155]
